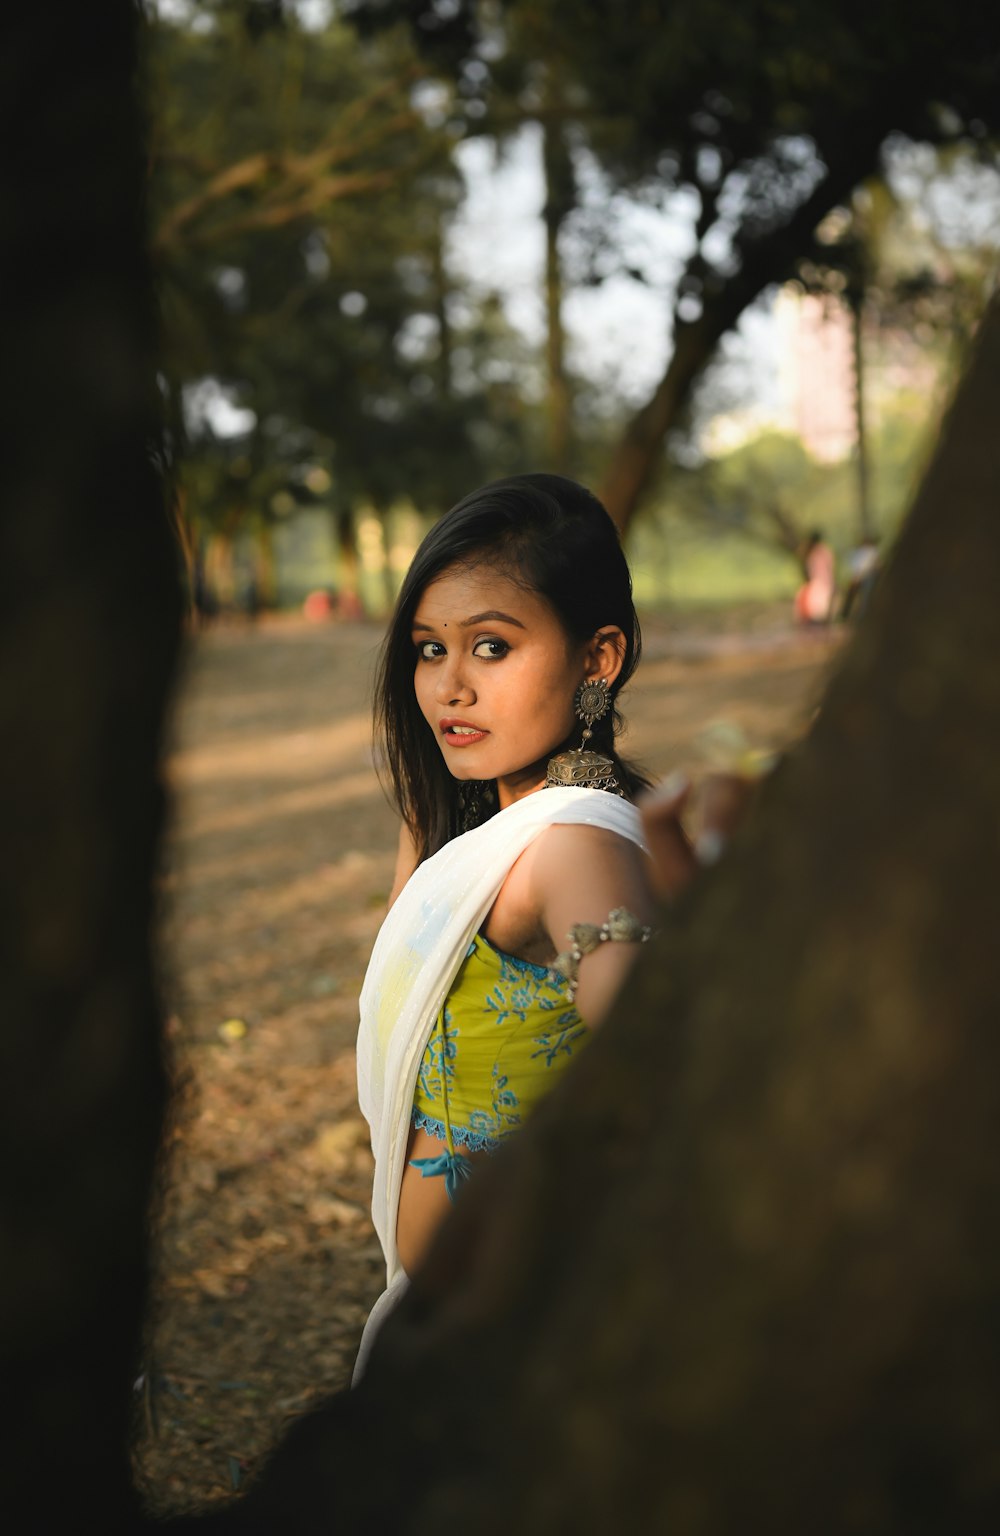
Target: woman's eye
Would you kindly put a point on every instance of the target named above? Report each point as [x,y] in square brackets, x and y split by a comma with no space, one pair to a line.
[430,650]
[490,650]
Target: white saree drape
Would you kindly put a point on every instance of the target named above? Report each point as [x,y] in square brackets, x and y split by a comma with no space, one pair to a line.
[416,956]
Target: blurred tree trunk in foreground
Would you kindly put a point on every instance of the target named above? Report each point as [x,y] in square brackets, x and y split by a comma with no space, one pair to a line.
[742,1271]
[87,635]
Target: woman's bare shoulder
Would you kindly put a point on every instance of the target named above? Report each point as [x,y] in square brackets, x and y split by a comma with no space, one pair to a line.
[574,862]
[570,873]
[571,842]
[583,875]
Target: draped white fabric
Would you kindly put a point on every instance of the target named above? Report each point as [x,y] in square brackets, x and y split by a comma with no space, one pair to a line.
[416,956]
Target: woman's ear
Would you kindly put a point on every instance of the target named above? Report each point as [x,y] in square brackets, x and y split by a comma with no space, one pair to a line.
[606,654]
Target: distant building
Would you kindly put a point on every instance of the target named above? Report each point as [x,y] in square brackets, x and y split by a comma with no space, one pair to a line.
[810,391]
[816,372]
[805,381]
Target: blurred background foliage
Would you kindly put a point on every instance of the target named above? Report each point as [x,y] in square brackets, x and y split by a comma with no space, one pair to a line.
[336,377]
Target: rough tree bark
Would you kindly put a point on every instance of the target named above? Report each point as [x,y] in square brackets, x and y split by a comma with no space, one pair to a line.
[88,626]
[743,1268]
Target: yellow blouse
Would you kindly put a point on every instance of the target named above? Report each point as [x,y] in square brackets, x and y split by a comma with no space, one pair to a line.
[507,1029]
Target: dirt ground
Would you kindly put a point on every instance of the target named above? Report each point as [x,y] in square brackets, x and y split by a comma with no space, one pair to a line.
[278,867]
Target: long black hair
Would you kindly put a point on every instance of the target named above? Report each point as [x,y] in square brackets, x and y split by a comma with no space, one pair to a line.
[556,539]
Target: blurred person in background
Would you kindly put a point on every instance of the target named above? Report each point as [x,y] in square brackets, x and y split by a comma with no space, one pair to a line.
[814,598]
[863,566]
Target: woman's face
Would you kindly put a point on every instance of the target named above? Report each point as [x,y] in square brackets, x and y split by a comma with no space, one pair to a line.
[495,676]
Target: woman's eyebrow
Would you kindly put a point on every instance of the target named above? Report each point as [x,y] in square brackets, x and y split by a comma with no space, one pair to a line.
[491,613]
[477,618]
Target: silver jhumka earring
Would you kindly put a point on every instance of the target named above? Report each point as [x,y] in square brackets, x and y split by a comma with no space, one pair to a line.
[579,768]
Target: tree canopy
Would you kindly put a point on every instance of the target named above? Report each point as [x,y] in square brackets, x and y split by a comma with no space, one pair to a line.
[299,198]
[324,343]
[752,121]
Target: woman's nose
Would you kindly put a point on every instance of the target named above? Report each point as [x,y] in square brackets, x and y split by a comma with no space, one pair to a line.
[453,686]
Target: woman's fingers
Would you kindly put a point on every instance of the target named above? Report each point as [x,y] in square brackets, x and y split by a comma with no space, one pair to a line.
[725,798]
[674,860]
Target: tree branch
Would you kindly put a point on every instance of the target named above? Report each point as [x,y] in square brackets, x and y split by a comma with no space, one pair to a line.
[290,169]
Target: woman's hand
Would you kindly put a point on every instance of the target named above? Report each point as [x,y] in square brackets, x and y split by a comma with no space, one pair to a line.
[722,801]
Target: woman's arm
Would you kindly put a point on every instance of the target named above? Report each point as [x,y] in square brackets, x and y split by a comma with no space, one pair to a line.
[406,861]
[580,874]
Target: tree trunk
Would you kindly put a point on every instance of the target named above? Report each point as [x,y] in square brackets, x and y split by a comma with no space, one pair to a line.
[637,453]
[560,195]
[745,1257]
[856,304]
[88,632]
[441,290]
[348,565]
[265,569]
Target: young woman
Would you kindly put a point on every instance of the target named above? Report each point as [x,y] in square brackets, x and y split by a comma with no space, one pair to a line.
[523,888]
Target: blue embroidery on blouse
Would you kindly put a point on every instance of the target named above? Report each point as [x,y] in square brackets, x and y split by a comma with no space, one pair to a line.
[512,966]
[522,994]
[559,1042]
[461,1135]
[438,1060]
[502,1116]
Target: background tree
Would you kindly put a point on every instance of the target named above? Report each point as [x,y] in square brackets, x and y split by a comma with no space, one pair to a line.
[769,492]
[758,119]
[910,256]
[300,190]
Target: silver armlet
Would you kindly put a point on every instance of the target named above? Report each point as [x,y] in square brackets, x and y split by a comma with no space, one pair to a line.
[618,927]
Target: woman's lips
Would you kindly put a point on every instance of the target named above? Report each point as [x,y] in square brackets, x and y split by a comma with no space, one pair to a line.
[459,733]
